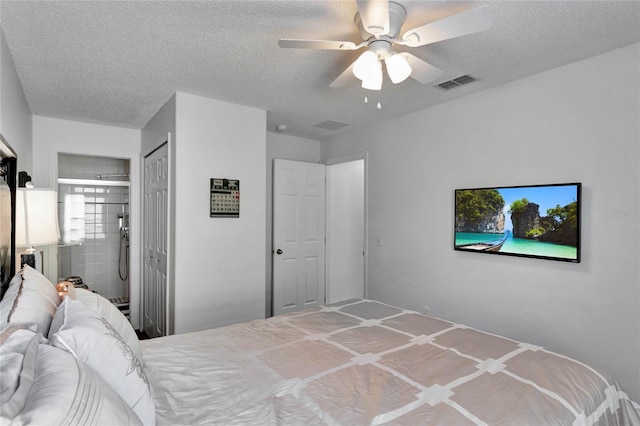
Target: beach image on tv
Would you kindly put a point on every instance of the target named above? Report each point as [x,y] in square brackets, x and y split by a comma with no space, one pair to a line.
[534,221]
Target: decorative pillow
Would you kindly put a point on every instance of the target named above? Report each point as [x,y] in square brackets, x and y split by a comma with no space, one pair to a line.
[57,389]
[14,340]
[109,312]
[31,277]
[35,302]
[9,296]
[90,338]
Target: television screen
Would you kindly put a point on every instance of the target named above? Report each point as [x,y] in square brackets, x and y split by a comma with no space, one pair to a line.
[540,221]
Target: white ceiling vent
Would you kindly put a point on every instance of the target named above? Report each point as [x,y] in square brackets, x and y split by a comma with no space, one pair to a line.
[456,82]
[331,125]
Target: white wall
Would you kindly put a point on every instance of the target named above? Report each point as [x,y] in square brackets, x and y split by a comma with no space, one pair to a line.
[284,147]
[52,136]
[574,123]
[15,115]
[219,262]
[156,130]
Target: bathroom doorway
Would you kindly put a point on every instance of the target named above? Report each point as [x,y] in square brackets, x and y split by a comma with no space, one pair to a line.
[93,211]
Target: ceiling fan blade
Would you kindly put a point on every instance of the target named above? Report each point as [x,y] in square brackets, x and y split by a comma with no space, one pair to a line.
[469,22]
[420,70]
[375,16]
[288,43]
[345,78]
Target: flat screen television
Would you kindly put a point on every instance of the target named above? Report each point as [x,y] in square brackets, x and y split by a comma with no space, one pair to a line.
[539,221]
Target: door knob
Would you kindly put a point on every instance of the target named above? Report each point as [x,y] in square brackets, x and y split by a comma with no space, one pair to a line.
[279,251]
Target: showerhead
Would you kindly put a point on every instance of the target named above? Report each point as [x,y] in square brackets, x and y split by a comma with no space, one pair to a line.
[123,221]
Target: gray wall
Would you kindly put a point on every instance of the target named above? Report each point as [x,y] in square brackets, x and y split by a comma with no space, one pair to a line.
[15,116]
[574,123]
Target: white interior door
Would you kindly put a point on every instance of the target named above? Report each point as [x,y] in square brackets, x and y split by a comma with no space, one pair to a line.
[298,235]
[155,229]
[346,231]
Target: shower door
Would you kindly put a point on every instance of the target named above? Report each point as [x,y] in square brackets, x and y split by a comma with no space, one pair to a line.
[154,298]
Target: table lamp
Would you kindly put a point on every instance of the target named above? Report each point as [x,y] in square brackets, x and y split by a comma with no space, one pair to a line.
[36,223]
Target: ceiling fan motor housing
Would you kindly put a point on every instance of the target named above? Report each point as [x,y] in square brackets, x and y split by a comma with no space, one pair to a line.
[381,47]
[397,15]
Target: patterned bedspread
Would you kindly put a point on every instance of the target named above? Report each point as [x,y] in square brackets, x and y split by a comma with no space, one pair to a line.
[365,362]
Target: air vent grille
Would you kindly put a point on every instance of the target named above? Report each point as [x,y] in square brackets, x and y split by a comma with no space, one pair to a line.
[331,125]
[456,82]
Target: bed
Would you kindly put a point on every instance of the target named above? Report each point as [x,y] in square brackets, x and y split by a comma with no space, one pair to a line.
[365,362]
[73,359]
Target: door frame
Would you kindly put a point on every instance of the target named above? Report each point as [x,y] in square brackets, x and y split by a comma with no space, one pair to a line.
[170,290]
[338,160]
[135,219]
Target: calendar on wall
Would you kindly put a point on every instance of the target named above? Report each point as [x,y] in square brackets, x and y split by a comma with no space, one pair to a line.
[225,197]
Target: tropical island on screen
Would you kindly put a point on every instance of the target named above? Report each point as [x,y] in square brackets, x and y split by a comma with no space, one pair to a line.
[537,221]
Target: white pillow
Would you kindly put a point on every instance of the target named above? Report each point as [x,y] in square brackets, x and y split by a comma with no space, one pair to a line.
[14,340]
[9,296]
[108,311]
[91,338]
[35,301]
[34,278]
[57,389]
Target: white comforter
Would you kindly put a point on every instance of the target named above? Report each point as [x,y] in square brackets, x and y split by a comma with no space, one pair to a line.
[369,363]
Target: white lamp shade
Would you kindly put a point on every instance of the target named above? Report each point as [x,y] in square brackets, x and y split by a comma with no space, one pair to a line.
[374,79]
[36,217]
[366,65]
[398,68]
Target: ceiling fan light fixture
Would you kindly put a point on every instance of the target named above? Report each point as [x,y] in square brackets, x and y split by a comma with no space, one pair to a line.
[366,65]
[398,68]
[373,80]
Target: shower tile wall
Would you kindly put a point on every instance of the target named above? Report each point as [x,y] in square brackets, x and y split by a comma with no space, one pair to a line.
[96,260]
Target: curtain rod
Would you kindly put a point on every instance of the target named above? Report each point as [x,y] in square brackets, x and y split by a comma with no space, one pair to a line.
[93,182]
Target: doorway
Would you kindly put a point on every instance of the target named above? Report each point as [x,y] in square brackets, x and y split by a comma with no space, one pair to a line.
[342,273]
[93,210]
[345,231]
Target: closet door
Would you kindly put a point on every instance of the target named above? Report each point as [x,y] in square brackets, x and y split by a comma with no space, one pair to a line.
[156,205]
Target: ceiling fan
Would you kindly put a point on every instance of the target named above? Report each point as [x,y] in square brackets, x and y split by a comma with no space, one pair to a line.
[379,22]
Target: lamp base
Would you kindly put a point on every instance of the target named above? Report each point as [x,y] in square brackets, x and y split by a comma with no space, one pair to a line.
[32,258]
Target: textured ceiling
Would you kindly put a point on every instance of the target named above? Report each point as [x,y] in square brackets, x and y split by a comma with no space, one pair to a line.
[118,62]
